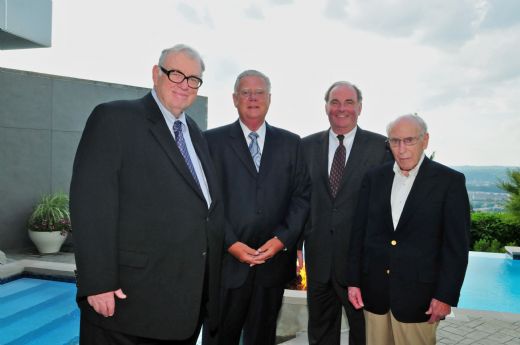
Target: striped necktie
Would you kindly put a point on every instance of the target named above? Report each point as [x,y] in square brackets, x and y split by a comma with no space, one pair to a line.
[255,149]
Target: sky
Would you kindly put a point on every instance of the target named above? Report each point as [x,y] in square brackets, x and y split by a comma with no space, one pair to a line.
[454,63]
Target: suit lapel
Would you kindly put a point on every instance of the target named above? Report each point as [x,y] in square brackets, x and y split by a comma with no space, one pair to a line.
[239,145]
[201,149]
[322,159]
[269,150]
[162,134]
[387,179]
[420,190]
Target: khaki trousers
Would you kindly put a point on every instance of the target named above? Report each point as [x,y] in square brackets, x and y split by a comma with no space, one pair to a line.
[386,330]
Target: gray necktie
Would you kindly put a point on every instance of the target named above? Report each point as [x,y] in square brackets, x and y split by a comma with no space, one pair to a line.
[181,144]
[255,149]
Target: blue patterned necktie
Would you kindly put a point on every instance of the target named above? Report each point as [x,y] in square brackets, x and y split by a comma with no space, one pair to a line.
[255,149]
[181,144]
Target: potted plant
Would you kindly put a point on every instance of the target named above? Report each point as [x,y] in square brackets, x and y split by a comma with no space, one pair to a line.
[49,223]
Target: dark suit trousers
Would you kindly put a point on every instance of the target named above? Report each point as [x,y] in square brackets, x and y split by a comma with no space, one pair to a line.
[325,302]
[251,311]
[91,334]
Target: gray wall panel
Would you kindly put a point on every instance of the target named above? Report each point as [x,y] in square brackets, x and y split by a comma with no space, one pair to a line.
[41,120]
[64,146]
[70,112]
[25,175]
[25,100]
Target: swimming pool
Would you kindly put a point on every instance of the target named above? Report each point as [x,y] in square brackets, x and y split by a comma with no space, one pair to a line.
[492,283]
[36,311]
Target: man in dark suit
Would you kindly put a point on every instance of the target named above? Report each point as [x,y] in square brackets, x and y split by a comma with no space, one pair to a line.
[147,218]
[409,248]
[266,197]
[337,159]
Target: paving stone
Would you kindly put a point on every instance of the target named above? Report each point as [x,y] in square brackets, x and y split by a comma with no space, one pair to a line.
[477,335]
[500,338]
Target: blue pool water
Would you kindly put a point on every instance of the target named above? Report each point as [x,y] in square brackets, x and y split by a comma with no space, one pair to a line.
[36,311]
[492,283]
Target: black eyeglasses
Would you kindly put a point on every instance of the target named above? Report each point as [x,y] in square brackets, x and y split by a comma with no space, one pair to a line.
[178,77]
[410,141]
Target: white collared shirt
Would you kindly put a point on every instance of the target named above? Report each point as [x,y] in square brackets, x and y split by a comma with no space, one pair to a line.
[197,165]
[261,135]
[348,141]
[401,187]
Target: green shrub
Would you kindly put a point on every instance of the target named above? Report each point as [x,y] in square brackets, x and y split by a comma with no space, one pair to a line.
[492,231]
[486,245]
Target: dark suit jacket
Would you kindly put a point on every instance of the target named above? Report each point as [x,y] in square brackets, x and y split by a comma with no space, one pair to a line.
[142,224]
[429,256]
[328,229]
[261,205]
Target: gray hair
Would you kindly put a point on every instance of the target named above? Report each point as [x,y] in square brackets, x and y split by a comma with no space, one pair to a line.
[413,117]
[253,73]
[185,49]
[344,83]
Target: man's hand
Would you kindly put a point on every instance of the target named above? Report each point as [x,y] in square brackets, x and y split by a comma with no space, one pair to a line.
[270,249]
[299,262]
[438,310]
[104,303]
[354,296]
[243,253]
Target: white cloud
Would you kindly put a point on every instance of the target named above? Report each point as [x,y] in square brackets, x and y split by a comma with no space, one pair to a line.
[456,63]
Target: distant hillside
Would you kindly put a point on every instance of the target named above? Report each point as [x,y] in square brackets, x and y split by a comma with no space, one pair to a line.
[481,182]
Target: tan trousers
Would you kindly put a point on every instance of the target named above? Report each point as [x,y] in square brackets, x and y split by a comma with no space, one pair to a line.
[386,330]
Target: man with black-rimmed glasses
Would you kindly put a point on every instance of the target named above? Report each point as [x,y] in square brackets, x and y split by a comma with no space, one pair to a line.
[147,215]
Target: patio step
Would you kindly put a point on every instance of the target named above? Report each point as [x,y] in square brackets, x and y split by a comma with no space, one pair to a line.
[32,300]
[43,314]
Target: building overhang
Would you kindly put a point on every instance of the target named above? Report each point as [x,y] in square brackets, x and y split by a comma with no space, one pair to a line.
[25,24]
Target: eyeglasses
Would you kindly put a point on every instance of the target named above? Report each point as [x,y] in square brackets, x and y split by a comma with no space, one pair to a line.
[178,77]
[248,93]
[410,141]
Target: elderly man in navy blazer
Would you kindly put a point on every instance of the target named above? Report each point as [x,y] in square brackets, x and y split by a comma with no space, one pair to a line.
[266,198]
[147,215]
[409,248]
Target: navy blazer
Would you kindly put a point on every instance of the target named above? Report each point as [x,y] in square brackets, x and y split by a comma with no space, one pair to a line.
[142,224]
[427,254]
[261,205]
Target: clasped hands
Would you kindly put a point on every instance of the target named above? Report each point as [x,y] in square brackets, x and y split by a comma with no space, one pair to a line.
[243,253]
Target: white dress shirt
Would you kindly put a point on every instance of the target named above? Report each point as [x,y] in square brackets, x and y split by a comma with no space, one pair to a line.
[197,165]
[401,187]
[348,141]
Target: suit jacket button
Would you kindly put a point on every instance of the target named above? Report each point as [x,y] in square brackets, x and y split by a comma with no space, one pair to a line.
[203,253]
[387,271]
[393,242]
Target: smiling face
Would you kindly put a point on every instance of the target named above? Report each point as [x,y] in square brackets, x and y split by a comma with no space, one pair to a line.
[252,100]
[343,109]
[176,97]
[408,156]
